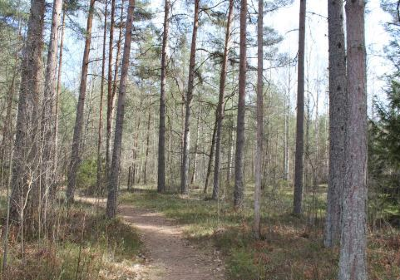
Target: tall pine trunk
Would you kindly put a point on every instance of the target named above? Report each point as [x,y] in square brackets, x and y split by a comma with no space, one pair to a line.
[161,134]
[100,126]
[76,140]
[188,101]
[116,157]
[260,122]
[110,93]
[337,120]
[221,102]
[352,262]
[24,168]
[239,156]
[299,156]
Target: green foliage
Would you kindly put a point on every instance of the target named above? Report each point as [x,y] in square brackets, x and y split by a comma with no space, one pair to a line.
[87,174]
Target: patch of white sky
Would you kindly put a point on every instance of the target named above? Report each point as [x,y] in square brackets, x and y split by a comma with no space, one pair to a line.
[285,21]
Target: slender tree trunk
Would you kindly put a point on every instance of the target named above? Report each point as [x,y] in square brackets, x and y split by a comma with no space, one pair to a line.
[24,169]
[110,96]
[286,139]
[48,105]
[58,93]
[299,157]
[239,156]
[76,140]
[352,262]
[188,101]
[161,135]
[147,149]
[230,151]
[100,127]
[337,120]
[260,121]
[115,80]
[210,159]
[115,165]
[221,102]
[196,147]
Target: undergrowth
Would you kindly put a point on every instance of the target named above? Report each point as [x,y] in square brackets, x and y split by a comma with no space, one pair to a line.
[83,245]
[291,247]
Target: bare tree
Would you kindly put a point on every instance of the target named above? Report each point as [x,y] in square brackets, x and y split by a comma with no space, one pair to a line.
[116,158]
[260,121]
[239,157]
[161,135]
[352,262]
[221,101]
[76,140]
[299,157]
[188,100]
[337,120]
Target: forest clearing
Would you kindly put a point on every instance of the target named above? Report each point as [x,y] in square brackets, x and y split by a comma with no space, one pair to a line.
[199,139]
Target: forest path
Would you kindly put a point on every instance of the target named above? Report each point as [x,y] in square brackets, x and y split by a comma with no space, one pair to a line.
[171,256]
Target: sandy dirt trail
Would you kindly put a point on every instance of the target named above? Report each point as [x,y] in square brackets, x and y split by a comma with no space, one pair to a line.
[171,256]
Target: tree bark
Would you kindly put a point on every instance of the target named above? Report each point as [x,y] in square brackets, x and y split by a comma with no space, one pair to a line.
[260,121]
[76,140]
[188,100]
[147,149]
[58,93]
[100,127]
[161,135]
[337,120]
[221,102]
[352,262]
[110,95]
[115,165]
[210,159]
[24,168]
[48,102]
[239,156]
[299,156]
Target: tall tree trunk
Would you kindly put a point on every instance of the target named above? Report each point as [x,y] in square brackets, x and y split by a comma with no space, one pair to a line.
[221,102]
[115,80]
[58,93]
[24,168]
[260,121]
[116,158]
[147,149]
[188,101]
[196,147]
[110,95]
[230,152]
[76,140]
[286,138]
[48,105]
[161,134]
[299,157]
[239,156]
[337,120]
[100,127]
[352,262]
[210,158]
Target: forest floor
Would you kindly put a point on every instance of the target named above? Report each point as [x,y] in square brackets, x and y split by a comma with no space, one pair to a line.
[168,254]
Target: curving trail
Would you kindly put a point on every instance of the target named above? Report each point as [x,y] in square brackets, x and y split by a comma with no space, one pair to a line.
[171,256]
